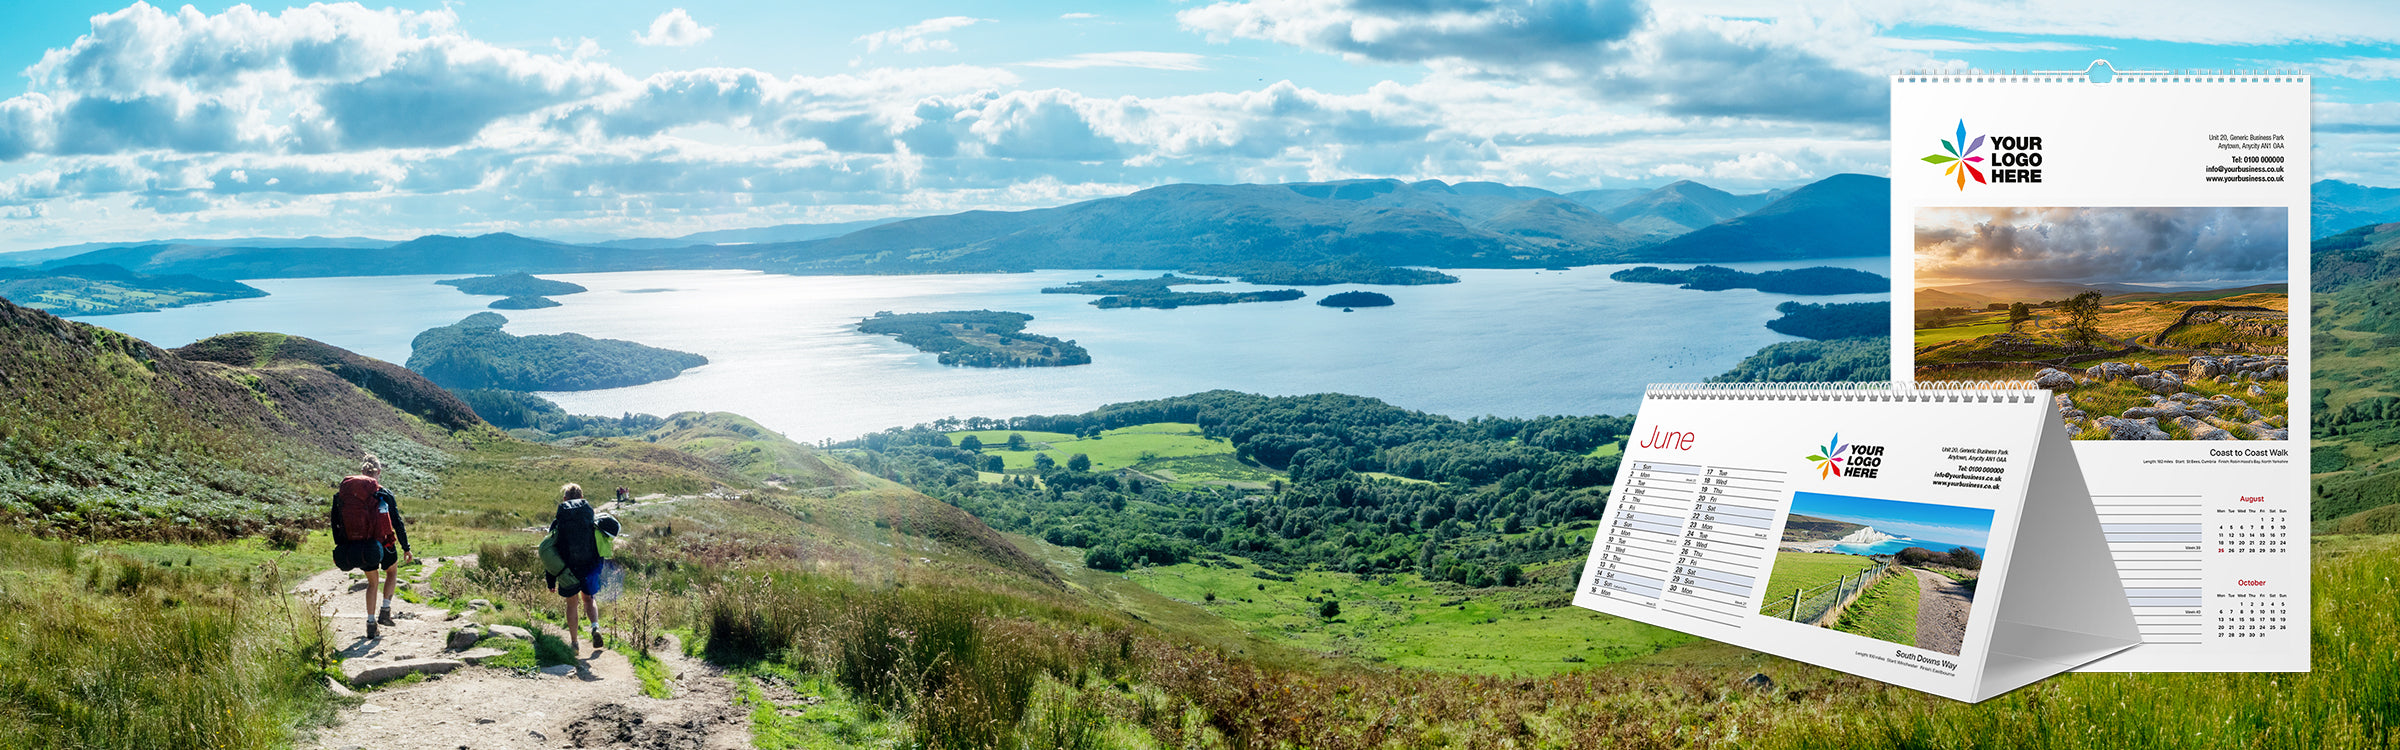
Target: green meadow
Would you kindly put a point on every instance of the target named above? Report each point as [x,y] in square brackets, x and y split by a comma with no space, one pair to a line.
[1887,612]
[1173,451]
[1809,570]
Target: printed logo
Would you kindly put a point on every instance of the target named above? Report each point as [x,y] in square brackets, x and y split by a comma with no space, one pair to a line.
[1962,163]
[1854,461]
[2013,158]
[1829,458]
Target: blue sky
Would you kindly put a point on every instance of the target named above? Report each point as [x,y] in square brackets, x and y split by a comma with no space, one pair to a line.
[581,120]
[1923,521]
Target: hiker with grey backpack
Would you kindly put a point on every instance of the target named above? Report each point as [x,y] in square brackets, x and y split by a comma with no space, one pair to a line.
[572,557]
[370,536]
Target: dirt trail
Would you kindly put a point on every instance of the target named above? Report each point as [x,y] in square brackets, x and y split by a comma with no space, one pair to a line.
[601,705]
[1942,606]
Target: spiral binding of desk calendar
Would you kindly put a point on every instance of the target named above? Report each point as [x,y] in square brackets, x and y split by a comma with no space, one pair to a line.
[1933,391]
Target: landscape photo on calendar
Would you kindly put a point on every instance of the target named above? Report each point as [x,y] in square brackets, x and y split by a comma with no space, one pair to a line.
[2145,323]
[1890,570]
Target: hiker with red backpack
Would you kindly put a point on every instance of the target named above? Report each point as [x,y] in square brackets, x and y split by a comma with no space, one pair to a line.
[370,536]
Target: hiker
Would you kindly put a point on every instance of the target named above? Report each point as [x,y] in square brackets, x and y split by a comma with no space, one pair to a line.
[572,534]
[366,526]
[624,496]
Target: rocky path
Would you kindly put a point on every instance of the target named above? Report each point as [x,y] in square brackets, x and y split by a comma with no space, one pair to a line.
[1942,606]
[599,704]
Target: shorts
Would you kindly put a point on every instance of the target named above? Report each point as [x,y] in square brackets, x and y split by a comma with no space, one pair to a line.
[584,582]
[365,554]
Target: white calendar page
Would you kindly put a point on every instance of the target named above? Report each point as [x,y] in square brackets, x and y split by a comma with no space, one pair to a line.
[1867,530]
[2141,246]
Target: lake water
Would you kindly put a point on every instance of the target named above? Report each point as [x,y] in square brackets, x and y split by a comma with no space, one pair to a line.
[1889,546]
[782,349]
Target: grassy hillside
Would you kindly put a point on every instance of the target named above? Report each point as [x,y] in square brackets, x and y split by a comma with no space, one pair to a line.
[108,436]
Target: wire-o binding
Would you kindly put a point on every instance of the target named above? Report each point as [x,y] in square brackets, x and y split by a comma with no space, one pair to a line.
[1934,391]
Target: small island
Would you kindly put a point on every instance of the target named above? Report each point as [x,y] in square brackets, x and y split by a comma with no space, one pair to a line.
[1356,299]
[1351,270]
[475,353]
[524,303]
[1809,281]
[1129,286]
[523,291]
[112,290]
[1840,320]
[977,338]
[1172,300]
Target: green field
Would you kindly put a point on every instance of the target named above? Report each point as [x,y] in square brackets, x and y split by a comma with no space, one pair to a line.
[1809,570]
[1887,612]
[1174,451]
[1407,621]
[1931,336]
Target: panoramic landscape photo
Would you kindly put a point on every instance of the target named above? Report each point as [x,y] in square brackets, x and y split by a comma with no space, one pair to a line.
[1240,374]
[1890,570]
[2146,323]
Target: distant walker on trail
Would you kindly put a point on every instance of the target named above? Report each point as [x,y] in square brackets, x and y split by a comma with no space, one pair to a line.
[370,536]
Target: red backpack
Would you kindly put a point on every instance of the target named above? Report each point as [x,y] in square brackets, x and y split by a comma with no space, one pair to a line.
[361,515]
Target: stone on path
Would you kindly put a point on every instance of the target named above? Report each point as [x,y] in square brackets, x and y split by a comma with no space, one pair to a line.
[362,673]
[464,637]
[512,631]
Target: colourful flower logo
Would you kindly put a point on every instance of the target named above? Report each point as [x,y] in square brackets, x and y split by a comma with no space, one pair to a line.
[1962,163]
[1829,457]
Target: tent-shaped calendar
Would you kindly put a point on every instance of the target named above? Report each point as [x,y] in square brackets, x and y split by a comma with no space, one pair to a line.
[1934,536]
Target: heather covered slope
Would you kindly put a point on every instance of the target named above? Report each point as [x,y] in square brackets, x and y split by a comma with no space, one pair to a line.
[105,435]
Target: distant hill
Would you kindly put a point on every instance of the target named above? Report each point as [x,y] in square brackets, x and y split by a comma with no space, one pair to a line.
[1801,528]
[33,257]
[1843,216]
[1981,293]
[1323,227]
[486,254]
[752,235]
[1176,227]
[110,290]
[2336,206]
[1682,207]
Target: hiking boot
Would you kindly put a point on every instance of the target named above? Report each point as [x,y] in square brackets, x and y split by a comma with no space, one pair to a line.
[596,643]
[386,617]
[372,632]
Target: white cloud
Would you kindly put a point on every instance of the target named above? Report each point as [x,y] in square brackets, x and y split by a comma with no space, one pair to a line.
[1077,16]
[920,36]
[2361,68]
[1127,59]
[1676,62]
[1960,45]
[674,28]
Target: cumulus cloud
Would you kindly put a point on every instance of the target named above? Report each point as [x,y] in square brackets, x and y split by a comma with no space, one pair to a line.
[2103,245]
[1127,59]
[314,79]
[1622,50]
[920,36]
[674,28]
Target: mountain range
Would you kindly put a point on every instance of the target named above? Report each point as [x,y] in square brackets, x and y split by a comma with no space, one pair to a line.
[1177,227]
[1171,227]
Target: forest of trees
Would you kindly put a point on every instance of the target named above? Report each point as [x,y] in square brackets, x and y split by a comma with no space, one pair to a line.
[1836,320]
[517,410]
[1172,300]
[977,338]
[1356,299]
[1812,280]
[475,353]
[1459,504]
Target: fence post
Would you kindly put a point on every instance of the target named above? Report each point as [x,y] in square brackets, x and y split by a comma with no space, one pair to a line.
[1796,603]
